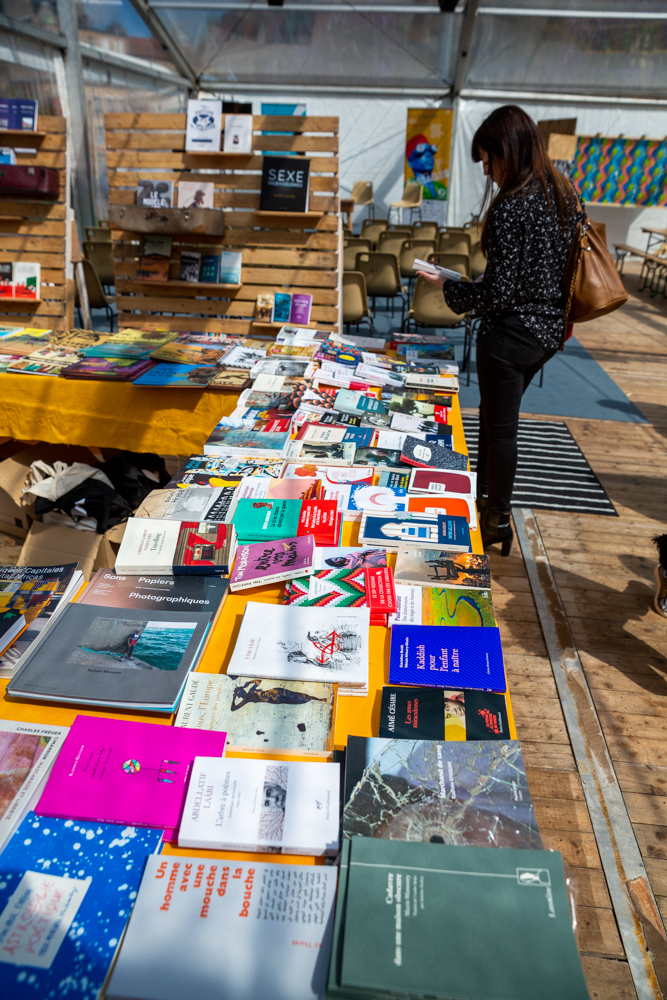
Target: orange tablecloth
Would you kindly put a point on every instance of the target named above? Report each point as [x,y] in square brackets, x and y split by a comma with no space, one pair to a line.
[354,715]
[110,414]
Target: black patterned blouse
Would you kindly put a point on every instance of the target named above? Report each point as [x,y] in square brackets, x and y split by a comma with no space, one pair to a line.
[527,252]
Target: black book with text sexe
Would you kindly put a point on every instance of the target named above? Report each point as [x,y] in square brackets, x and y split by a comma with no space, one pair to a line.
[285,184]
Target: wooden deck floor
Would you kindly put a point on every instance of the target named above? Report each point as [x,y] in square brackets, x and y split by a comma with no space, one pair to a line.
[604,570]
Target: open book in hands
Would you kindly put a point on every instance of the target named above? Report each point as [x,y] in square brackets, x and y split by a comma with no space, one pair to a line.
[443,272]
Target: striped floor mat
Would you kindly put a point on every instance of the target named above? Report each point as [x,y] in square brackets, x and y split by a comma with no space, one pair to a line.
[552,473]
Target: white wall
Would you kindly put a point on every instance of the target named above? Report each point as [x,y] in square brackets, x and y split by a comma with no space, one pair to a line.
[624,223]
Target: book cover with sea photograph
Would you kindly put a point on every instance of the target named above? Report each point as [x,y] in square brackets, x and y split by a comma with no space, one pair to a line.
[473,793]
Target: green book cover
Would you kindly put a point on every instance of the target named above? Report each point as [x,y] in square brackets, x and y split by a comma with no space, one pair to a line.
[456,606]
[467,922]
[257,520]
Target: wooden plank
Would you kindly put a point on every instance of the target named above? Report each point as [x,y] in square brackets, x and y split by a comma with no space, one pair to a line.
[561,814]
[257,256]
[608,979]
[597,932]
[254,275]
[55,159]
[206,307]
[133,159]
[52,123]
[27,309]
[32,209]
[648,809]
[233,199]
[31,227]
[544,783]
[41,243]
[151,120]
[175,142]
[50,259]
[223,181]
[648,779]
[247,292]
[196,323]
[652,840]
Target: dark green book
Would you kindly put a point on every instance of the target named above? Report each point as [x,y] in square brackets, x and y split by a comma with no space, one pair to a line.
[471,923]
[258,520]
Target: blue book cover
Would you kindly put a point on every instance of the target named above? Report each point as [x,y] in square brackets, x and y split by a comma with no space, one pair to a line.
[442,531]
[361,436]
[66,892]
[117,351]
[454,531]
[452,657]
[178,376]
[282,305]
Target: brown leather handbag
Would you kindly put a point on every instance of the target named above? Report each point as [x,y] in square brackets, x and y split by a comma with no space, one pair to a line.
[592,284]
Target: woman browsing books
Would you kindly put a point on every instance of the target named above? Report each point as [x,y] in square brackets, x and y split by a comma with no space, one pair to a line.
[527,234]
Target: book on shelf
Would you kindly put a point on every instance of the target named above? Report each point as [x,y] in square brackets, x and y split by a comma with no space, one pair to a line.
[6,280]
[300,311]
[152,269]
[230,267]
[8,156]
[66,589]
[27,753]
[435,714]
[285,185]
[122,771]
[420,566]
[18,114]
[65,896]
[264,307]
[286,807]
[133,651]
[462,792]
[26,277]
[453,657]
[282,305]
[262,716]
[167,547]
[189,266]
[215,504]
[514,901]
[155,194]
[269,562]
[304,644]
[195,194]
[210,268]
[203,129]
[294,946]
[238,134]
[426,454]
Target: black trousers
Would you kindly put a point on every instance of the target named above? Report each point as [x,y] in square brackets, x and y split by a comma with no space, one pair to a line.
[508,358]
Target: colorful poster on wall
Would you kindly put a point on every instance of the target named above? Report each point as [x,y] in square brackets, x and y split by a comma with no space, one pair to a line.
[621,171]
[427,151]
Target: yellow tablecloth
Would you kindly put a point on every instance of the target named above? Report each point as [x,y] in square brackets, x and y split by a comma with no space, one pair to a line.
[354,715]
[110,414]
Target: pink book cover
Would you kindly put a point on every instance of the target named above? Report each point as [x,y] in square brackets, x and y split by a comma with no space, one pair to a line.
[288,558]
[119,771]
[301,305]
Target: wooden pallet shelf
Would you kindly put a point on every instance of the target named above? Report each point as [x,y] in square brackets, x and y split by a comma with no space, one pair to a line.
[34,230]
[282,251]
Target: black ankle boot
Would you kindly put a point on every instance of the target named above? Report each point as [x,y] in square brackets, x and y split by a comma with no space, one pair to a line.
[496,528]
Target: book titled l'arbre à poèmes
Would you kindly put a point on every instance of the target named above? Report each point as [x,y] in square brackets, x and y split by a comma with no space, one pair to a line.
[128,653]
[262,716]
[288,807]
[121,771]
[304,644]
[163,547]
[65,896]
[276,941]
[514,901]
[452,657]
[430,790]
[437,714]
[272,562]
[285,184]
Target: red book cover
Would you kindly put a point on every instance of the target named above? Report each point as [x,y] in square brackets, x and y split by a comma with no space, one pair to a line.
[276,425]
[440,414]
[320,519]
[380,590]
[202,548]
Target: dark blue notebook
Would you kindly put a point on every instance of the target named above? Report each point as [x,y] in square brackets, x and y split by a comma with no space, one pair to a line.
[453,657]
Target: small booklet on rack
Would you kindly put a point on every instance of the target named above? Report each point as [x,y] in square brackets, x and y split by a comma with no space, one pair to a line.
[238,134]
[203,129]
[288,807]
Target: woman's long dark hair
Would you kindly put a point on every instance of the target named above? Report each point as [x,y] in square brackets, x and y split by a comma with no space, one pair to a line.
[509,136]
